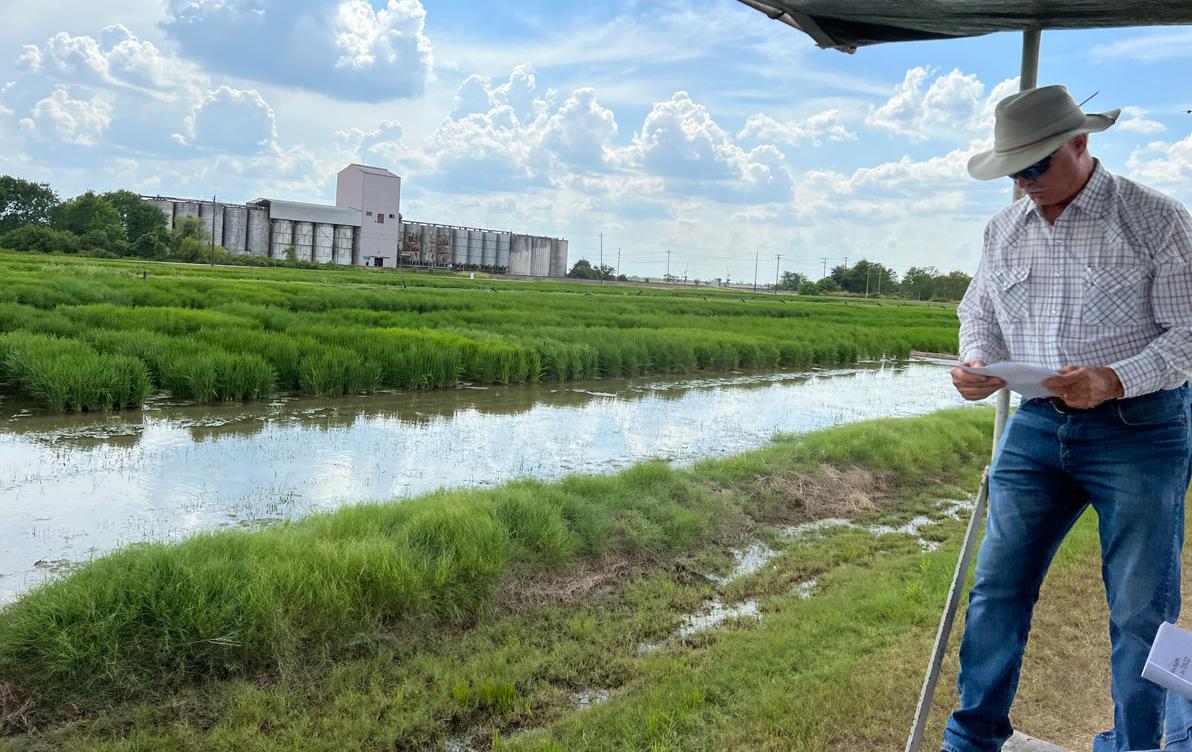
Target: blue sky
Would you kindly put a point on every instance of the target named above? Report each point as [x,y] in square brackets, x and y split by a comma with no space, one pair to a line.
[701,128]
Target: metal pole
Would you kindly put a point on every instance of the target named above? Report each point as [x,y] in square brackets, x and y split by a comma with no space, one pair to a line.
[668,265]
[756,254]
[212,229]
[1030,73]
[618,262]
[777,266]
[601,270]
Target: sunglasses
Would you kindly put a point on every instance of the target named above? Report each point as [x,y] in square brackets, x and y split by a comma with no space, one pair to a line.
[1035,170]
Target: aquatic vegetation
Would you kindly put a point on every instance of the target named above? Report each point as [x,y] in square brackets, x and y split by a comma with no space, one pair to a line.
[212,334]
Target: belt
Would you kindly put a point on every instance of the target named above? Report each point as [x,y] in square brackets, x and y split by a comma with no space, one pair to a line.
[1063,407]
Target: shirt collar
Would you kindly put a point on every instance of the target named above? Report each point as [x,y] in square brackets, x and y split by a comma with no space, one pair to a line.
[1093,199]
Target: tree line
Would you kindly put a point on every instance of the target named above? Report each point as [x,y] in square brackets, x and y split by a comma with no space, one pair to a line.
[875,280]
[115,224]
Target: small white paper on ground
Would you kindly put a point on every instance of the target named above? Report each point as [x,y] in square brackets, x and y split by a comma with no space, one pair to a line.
[1020,377]
[1170,661]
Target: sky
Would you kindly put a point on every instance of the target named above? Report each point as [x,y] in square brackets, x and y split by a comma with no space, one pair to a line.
[697,134]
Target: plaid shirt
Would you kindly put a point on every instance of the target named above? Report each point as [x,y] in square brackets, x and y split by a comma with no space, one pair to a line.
[1109,284]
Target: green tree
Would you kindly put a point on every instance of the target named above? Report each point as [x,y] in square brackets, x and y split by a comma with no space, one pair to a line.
[189,240]
[95,220]
[865,277]
[828,284]
[953,286]
[41,239]
[807,287]
[791,281]
[919,282]
[583,269]
[23,202]
[137,216]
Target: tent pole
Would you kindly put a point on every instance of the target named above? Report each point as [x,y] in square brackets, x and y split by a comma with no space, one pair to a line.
[1027,80]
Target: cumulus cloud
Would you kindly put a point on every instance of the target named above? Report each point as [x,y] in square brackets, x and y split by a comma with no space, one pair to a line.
[680,141]
[1164,165]
[951,106]
[232,121]
[73,121]
[1135,120]
[347,50]
[823,126]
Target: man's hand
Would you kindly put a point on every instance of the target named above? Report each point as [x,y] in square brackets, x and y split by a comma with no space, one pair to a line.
[1082,387]
[973,386]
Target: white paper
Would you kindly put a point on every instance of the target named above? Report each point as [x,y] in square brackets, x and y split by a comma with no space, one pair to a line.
[1170,661]
[1021,378]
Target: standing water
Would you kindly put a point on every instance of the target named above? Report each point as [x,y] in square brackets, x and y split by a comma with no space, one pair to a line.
[74,487]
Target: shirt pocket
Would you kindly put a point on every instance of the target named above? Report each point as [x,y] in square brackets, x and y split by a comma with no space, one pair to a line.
[1115,296]
[1010,298]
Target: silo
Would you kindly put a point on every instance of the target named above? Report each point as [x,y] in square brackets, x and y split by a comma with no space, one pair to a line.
[519,255]
[304,240]
[235,229]
[411,242]
[489,259]
[442,246]
[256,239]
[475,247]
[503,250]
[357,256]
[281,238]
[459,247]
[425,252]
[324,240]
[343,245]
[166,207]
[212,215]
[558,258]
[540,257]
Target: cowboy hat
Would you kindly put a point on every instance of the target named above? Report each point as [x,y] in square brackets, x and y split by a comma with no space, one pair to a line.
[1030,125]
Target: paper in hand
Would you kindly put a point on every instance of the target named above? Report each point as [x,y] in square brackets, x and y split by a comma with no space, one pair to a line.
[1020,377]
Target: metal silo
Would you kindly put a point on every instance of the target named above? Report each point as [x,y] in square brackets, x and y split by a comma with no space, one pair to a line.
[235,229]
[411,240]
[503,250]
[166,207]
[342,249]
[540,256]
[212,215]
[324,240]
[281,238]
[489,259]
[304,240]
[519,255]
[459,247]
[558,258]
[256,239]
[426,238]
[185,209]
[475,247]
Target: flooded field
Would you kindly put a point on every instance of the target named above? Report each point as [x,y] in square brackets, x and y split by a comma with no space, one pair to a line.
[73,487]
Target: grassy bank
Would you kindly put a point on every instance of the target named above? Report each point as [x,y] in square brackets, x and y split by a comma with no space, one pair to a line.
[478,612]
[222,334]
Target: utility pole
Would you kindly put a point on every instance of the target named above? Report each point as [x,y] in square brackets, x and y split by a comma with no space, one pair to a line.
[825,260]
[879,283]
[618,262]
[213,229]
[600,273]
[867,280]
[667,265]
[777,265]
[756,253]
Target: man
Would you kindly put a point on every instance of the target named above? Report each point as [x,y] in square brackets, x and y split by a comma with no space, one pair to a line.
[1089,274]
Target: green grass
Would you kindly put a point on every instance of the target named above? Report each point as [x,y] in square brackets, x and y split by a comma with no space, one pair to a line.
[411,587]
[351,331]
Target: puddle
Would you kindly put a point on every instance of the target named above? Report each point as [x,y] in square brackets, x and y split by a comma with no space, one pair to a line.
[77,486]
[806,589]
[746,561]
[717,613]
[586,698]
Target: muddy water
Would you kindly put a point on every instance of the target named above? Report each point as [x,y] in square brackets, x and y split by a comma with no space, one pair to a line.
[75,487]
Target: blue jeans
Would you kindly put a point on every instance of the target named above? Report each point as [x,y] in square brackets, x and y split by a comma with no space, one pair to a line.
[1129,459]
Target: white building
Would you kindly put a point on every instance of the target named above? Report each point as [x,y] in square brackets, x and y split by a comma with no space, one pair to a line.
[376,193]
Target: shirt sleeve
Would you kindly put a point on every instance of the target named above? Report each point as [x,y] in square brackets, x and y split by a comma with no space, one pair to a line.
[1170,354]
[980,333]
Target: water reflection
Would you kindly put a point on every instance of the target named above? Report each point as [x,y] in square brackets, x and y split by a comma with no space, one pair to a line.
[72,487]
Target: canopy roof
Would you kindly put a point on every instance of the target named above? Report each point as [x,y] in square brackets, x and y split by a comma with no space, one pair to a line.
[848,24]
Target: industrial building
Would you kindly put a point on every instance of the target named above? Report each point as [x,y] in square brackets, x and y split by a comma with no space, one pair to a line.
[365,228]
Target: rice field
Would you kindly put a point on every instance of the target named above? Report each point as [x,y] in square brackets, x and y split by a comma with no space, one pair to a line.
[85,334]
